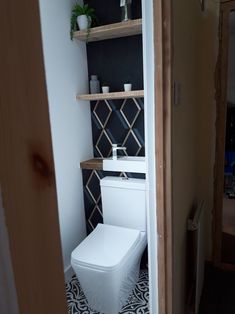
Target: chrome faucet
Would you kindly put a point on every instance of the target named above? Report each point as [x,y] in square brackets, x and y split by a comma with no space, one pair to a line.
[115,148]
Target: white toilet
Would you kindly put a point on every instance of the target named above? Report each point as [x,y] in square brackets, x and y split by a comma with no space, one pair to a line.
[107,262]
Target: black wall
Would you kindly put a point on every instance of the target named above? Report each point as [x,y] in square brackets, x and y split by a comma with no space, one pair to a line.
[109,11]
[115,61]
[119,121]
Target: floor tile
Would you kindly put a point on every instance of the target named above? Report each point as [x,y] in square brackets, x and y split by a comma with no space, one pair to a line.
[137,302]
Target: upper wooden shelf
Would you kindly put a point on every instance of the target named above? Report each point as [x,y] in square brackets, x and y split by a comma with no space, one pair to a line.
[116,30]
[116,95]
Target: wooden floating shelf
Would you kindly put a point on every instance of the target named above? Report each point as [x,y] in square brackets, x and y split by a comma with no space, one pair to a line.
[95,164]
[116,95]
[116,30]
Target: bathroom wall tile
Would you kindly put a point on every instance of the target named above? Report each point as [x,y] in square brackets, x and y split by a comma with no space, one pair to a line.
[118,122]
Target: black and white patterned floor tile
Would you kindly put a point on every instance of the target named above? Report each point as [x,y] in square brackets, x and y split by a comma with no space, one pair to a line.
[137,303]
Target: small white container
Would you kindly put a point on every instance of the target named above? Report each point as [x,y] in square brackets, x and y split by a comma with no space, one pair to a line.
[83,22]
[105,89]
[127,87]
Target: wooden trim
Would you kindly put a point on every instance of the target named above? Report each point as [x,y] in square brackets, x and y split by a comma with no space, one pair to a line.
[93,164]
[167,90]
[116,30]
[115,95]
[221,111]
[26,163]
[163,99]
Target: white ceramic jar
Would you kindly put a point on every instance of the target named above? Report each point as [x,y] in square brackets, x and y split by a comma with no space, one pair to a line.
[127,87]
[105,89]
[83,22]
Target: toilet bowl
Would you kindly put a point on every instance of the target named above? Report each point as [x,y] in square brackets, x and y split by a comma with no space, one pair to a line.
[107,262]
[107,265]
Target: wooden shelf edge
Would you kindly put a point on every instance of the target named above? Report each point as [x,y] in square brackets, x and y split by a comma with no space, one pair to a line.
[116,30]
[115,95]
[92,164]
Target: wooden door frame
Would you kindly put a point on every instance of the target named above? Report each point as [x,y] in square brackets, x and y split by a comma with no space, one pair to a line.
[26,163]
[221,110]
[163,131]
[35,156]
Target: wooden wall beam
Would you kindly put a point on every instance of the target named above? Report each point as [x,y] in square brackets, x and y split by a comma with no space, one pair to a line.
[163,79]
[26,163]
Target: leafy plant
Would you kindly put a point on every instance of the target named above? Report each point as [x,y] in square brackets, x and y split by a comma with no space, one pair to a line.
[127,80]
[78,10]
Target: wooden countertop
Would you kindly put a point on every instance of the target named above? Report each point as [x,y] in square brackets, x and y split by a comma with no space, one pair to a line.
[95,163]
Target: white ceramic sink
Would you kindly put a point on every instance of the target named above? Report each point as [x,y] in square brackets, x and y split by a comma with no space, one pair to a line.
[125,164]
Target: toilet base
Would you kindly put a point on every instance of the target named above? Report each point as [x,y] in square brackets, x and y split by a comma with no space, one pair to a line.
[108,291]
[138,302]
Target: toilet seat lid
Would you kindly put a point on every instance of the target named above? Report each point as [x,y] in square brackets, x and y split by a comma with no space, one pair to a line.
[106,246]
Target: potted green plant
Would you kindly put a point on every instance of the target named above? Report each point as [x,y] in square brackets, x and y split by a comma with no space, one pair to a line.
[82,16]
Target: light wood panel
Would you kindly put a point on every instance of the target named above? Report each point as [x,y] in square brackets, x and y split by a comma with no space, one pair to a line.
[26,163]
[93,164]
[163,100]
[116,30]
[115,95]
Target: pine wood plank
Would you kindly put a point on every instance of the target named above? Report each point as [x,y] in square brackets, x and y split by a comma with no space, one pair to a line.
[115,95]
[26,163]
[116,30]
[163,102]
[93,164]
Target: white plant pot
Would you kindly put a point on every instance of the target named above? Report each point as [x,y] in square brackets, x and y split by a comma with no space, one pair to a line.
[83,22]
[127,87]
[105,89]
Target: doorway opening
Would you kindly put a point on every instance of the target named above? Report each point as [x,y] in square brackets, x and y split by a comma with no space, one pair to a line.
[224,189]
[32,214]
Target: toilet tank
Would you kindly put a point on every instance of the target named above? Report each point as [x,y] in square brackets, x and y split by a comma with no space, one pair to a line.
[124,202]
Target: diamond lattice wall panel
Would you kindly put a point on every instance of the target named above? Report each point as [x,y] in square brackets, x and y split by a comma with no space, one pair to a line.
[118,122]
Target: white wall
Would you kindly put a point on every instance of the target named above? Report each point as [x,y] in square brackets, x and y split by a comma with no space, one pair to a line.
[66,75]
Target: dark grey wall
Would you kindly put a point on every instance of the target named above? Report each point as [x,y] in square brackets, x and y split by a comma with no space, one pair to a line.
[116,61]
[109,11]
